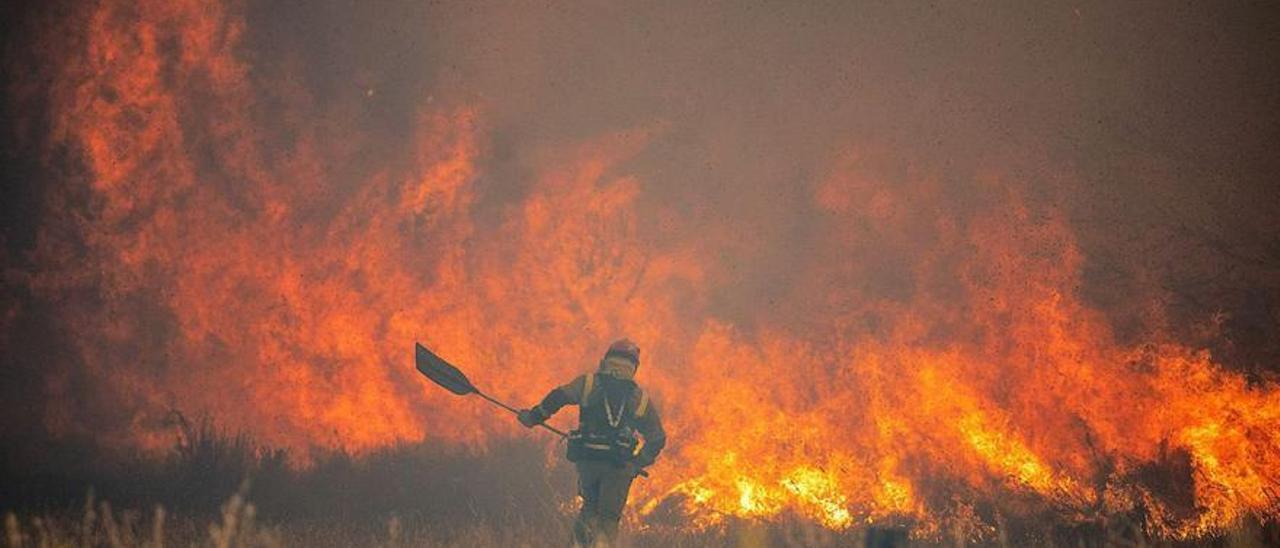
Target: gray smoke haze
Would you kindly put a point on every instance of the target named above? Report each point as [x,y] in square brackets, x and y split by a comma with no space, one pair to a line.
[1153,124]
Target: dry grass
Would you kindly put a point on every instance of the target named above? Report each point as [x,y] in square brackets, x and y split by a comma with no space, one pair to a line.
[238,526]
[222,491]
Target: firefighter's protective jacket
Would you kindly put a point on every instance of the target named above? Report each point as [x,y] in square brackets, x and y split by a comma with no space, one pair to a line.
[604,397]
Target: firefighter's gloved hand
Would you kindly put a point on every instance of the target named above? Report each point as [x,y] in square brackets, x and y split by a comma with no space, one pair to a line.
[531,417]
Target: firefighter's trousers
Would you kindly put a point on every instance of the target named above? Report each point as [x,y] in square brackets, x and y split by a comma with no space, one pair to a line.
[603,486]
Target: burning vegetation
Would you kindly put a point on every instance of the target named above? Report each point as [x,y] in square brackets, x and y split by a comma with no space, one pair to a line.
[252,220]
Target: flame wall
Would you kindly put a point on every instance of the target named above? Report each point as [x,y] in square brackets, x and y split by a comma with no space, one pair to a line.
[854,304]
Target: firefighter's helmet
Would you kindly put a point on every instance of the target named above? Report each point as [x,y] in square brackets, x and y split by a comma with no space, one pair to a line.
[624,348]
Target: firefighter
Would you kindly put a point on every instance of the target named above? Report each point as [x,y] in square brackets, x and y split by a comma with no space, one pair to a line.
[612,411]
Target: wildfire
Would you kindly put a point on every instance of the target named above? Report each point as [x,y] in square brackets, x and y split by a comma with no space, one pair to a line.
[243,256]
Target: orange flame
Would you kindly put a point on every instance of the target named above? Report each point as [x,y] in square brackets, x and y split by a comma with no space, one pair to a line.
[216,255]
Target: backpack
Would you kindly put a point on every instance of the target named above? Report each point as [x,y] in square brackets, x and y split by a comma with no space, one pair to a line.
[606,428]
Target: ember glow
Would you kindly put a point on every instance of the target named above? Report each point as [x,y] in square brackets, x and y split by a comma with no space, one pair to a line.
[225,239]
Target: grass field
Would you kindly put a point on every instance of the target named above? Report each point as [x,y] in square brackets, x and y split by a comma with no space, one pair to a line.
[99,524]
[218,490]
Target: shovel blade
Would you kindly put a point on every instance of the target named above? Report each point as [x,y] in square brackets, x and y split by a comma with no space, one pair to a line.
[441,372]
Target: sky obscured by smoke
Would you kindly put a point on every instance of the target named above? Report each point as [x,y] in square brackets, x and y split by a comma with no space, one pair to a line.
[1152,125]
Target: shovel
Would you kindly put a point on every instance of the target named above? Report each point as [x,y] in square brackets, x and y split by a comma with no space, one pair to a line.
[442,373]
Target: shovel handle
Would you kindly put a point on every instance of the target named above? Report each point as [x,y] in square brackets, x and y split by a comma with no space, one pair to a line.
[557,431]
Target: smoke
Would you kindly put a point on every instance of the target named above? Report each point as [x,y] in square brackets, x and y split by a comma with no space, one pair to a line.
[865,232]
[1145,124]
